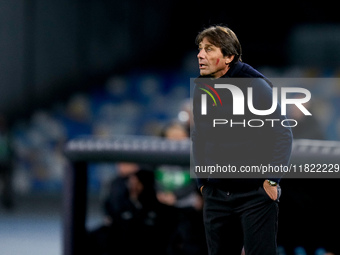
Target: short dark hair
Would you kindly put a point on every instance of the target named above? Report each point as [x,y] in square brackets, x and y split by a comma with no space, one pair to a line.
[224,38]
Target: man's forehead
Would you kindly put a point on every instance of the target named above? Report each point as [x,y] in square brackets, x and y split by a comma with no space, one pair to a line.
[206,42]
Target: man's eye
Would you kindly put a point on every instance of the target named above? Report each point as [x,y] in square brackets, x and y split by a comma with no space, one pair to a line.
[208,49]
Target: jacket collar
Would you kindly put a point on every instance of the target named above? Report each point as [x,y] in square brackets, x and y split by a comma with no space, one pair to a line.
[234,70]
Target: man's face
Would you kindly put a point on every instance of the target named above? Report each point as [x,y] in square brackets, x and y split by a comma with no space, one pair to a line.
[211,60]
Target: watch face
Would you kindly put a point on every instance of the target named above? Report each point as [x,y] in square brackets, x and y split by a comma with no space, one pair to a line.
[272,183]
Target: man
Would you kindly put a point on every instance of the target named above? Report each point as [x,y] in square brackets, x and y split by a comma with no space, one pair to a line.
[240,212]
[136,222]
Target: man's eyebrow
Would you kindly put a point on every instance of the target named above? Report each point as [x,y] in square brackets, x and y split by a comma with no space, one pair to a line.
[206,45]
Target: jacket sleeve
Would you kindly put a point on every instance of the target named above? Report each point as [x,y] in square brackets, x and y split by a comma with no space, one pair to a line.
[282,136]
[197,137]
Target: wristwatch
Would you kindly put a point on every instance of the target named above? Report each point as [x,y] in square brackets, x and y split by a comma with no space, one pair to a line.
[272,183]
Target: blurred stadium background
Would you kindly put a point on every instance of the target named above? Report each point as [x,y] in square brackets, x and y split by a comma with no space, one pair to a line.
[71,68]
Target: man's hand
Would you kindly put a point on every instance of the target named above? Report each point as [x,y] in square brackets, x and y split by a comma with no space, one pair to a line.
[270,190]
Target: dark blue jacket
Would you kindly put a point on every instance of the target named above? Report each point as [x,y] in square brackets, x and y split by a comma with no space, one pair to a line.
[239,145]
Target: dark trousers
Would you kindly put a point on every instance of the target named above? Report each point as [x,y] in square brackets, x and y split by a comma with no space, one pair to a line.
[234,219]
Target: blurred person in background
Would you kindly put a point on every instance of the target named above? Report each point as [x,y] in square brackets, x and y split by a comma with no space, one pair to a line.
[185,114]
[78,118]
[136,222]
[174,185]
[6,164]
[176,188]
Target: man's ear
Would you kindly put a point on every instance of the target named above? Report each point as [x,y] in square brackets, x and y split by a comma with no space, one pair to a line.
[229,59]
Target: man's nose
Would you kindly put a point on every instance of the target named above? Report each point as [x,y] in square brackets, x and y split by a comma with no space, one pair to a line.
[200,54]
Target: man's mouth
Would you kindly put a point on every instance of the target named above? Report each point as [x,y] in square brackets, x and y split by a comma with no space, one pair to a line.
[202,66]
